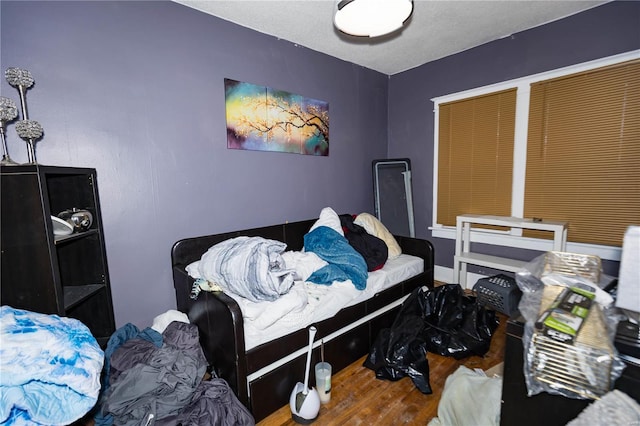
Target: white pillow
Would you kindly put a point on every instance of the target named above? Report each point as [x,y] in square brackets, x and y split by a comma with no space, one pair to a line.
[303,263]
[329,218]
[373,226]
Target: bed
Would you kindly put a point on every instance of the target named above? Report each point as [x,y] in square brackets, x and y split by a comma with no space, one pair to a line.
[262,368]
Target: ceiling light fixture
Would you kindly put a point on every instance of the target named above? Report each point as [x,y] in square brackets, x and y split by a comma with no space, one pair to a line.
[372,18]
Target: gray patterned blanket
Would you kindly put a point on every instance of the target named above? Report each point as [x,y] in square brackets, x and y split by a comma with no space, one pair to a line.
[251,267]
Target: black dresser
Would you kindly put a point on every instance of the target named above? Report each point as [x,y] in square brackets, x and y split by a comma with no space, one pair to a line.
[545,409]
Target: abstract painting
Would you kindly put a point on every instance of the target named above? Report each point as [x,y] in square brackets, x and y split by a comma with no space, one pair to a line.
[260,118]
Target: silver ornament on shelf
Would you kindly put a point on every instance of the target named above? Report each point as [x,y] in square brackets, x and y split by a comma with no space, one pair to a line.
[30,131]
[8,112]
[19,77]
[22,80]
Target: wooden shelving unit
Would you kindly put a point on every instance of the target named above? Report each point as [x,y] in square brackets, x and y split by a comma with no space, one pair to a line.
[65,275]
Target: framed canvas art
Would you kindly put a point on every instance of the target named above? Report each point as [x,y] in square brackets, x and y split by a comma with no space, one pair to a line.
[260,118]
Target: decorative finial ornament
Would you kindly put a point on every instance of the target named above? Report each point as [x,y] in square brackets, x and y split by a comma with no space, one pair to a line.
[8,112]
[21,80]
[30,131]
[19,77]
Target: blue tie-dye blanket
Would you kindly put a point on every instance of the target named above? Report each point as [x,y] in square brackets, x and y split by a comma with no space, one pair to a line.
[345,263]
[49,368]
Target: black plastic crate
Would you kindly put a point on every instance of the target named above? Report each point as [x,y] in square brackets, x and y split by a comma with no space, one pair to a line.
[499,292]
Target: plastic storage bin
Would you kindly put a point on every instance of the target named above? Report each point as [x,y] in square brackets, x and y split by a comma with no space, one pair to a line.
[499,292]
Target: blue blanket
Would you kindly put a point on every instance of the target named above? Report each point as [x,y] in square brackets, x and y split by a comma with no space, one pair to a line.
[50,368]
[345,263]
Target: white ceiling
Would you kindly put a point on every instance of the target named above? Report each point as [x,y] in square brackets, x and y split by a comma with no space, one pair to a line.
[436,29]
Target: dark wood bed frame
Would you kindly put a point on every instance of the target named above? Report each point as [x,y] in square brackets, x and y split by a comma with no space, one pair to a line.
[347,336]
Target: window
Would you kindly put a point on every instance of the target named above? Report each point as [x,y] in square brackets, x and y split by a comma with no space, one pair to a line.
[574,153]
[583,152]
[475,156]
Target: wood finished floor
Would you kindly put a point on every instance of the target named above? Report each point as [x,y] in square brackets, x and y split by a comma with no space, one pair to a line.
[358,398]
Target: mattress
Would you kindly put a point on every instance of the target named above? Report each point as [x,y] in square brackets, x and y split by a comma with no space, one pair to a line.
[308,303]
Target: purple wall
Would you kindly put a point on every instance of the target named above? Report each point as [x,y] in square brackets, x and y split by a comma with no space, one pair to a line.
[599,32]
[135,89]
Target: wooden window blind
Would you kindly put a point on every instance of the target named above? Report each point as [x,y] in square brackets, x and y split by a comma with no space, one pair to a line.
[583,152]
[475,156]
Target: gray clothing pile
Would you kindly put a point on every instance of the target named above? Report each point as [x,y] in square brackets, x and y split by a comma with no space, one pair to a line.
[165,386]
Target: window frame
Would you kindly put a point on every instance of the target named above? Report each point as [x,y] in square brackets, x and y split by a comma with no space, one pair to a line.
[513,237]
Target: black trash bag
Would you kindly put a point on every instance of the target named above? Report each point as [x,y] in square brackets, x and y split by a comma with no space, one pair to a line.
[441,320]
[455,324]
[400,351]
